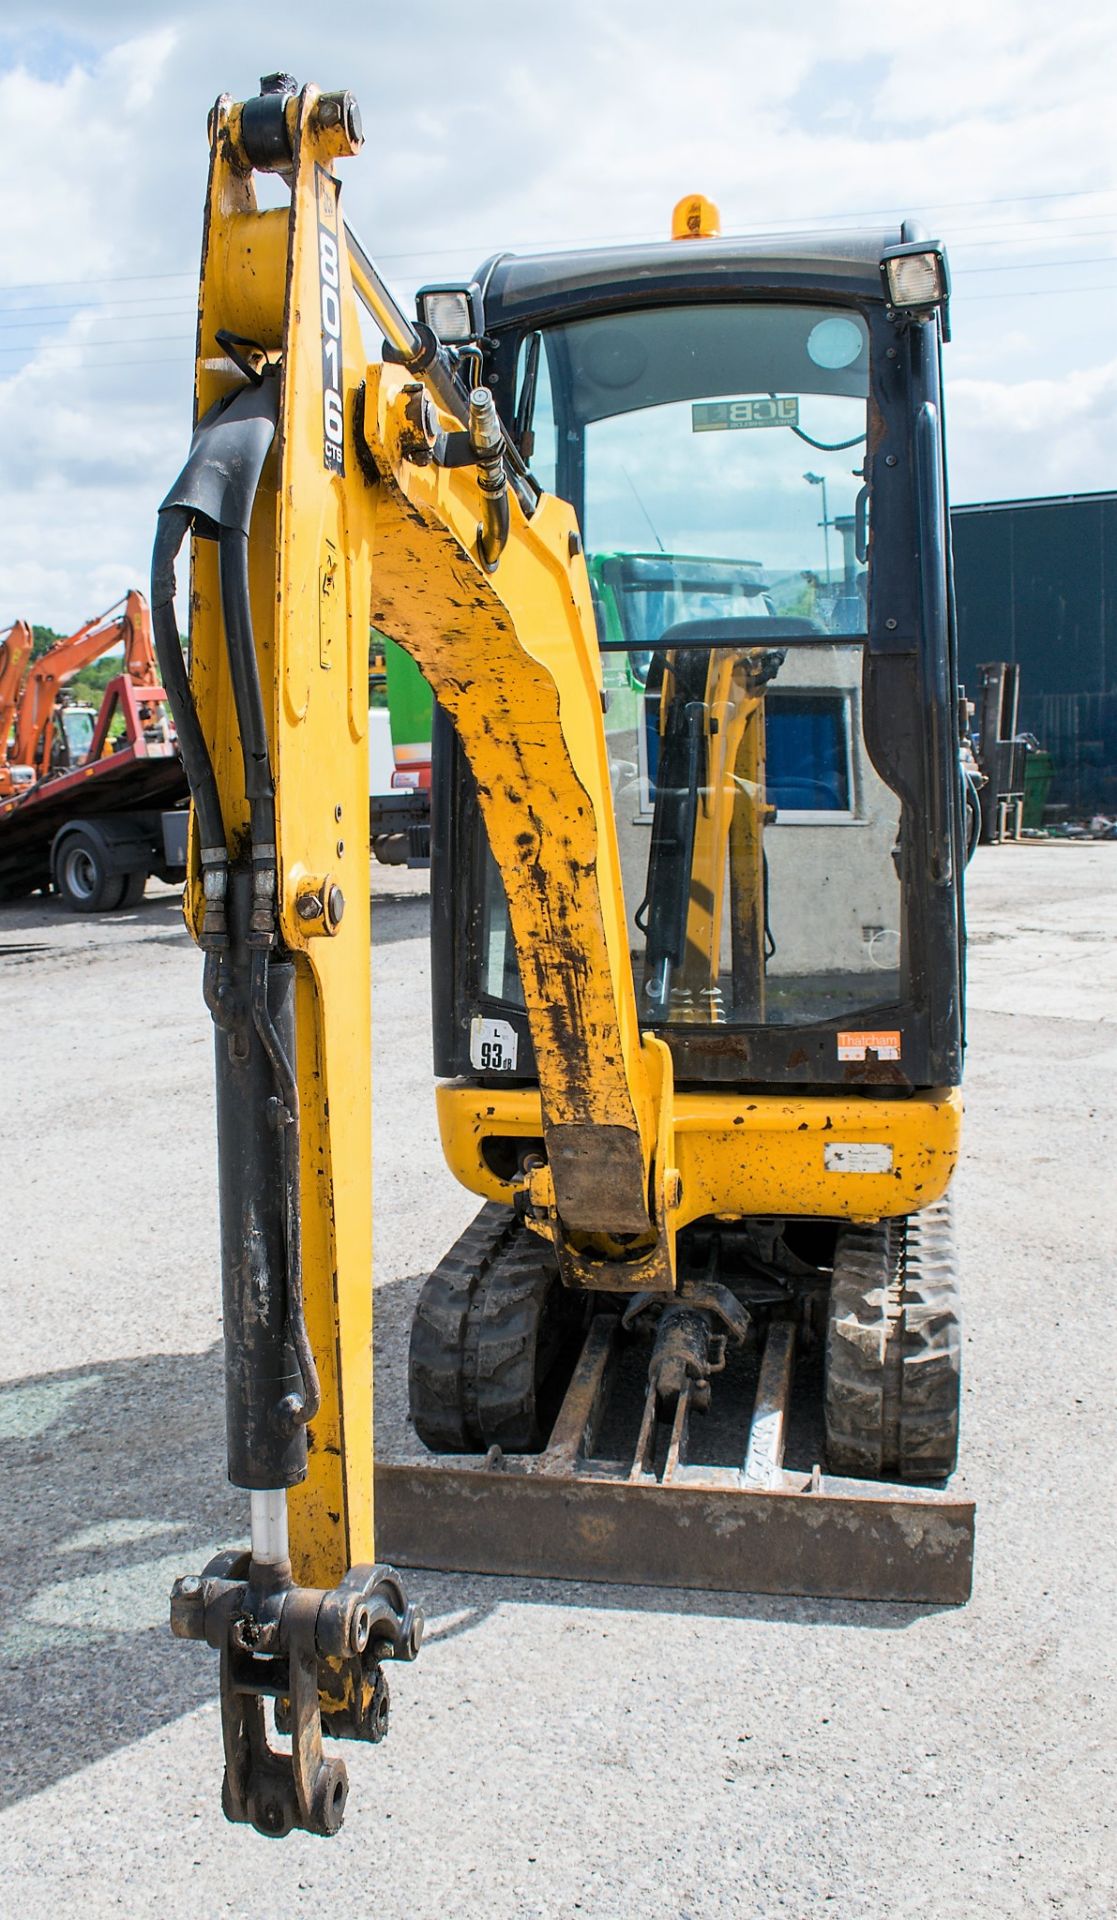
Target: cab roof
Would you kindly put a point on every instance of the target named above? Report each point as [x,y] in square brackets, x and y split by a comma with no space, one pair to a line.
[519,289]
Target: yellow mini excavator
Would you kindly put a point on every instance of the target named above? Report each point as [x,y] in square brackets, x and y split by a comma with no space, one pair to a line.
[696,880]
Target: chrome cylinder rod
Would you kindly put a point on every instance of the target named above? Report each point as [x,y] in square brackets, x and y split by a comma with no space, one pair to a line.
[269,1526]
[401,334]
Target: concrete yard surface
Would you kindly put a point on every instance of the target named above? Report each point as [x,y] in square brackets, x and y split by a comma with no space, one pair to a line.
[556,1750]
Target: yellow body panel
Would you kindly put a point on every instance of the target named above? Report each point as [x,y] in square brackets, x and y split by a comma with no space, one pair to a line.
[744,1154]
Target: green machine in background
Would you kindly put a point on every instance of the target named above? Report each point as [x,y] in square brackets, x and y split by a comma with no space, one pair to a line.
[399,821]
[410,706]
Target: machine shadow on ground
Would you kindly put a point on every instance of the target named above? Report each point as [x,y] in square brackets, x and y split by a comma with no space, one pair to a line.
[112,1482]
[37,922]
[42,919]
[399,916]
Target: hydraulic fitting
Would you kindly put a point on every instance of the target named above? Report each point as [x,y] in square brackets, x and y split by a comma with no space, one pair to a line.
[486,437]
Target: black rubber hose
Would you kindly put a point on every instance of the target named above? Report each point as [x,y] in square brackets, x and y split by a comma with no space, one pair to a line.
[300,1413]
[244,672]
[174,524]
[236,606]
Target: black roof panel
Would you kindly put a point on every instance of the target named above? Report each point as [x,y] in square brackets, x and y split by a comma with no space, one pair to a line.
[517,288]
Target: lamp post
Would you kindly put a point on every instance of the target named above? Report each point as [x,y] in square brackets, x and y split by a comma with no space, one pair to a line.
[819,480]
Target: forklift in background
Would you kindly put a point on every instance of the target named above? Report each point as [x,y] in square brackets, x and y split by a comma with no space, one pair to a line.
[1002,753]
[696,921]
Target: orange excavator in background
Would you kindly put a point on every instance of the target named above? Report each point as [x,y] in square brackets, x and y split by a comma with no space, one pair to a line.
[37,706]
[16,643]
[91,802]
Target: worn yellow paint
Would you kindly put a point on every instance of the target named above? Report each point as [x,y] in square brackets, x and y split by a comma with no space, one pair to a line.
[749,1154]
[512,657]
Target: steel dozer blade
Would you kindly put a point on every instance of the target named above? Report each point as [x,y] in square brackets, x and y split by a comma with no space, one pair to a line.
[567,1514]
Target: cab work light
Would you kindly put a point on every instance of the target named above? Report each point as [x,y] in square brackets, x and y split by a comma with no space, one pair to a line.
[453,314]
[917,279]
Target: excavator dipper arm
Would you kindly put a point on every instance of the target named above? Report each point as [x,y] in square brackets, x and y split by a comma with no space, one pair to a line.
[272,724]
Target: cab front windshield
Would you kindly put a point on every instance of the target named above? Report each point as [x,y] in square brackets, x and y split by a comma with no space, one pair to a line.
[716,459]
[77,730]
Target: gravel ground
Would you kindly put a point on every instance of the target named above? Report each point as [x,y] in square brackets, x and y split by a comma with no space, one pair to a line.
[557,1749]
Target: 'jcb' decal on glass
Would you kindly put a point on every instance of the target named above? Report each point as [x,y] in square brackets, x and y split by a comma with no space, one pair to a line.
[329,288]
[717,416]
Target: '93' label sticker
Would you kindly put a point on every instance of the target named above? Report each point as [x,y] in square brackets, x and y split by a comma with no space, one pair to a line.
[492,1045]
[329,289]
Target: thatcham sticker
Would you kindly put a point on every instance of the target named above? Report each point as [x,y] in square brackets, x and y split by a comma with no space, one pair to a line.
[329,288]
[716,416]
[858,1046]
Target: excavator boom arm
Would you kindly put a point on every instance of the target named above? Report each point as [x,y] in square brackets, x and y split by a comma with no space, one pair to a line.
[15,652]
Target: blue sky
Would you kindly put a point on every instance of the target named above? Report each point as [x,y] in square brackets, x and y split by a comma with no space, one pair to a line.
[992,125]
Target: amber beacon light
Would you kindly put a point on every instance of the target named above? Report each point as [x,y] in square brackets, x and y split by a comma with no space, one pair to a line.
[695,218]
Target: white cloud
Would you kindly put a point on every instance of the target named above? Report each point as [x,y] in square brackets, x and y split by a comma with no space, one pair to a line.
[1067,428]
[533,128]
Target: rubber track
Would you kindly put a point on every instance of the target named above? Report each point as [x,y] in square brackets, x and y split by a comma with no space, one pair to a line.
[509,1365]
[436,1367]
[474,1363]
[893,1349]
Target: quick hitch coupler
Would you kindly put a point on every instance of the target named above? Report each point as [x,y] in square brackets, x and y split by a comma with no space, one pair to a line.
[295,1645]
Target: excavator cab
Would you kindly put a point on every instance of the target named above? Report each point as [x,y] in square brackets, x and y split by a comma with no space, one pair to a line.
[74,736]
[776,672]
[749,434]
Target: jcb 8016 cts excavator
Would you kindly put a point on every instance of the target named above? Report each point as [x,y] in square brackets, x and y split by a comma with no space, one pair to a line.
[696,910]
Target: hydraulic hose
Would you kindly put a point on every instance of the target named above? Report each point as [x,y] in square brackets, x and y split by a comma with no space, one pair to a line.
[174,523]
[215,494]
[236,608]
[173,528]
[244,672]
[259,787]
[298,1412]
